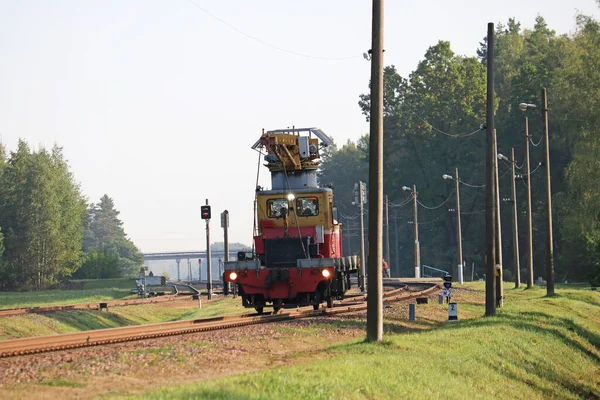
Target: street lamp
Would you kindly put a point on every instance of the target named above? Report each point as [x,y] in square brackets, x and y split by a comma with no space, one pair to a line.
[549,244]
[527,106]
[458,229]
[416,223]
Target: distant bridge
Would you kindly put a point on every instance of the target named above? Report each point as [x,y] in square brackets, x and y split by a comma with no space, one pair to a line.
[183,255]
[190,255]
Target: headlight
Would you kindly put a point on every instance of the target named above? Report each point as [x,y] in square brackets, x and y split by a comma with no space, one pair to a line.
[233,276]
[325,273]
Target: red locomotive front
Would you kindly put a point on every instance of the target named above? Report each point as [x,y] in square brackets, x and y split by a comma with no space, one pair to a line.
[298,254]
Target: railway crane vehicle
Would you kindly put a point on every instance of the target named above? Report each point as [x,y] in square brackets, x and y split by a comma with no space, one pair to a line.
[297,258]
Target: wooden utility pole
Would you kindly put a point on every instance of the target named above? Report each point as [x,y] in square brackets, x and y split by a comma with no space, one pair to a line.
[417,245]
[499,264]
[490,173]
[515,222]
[375,287]
[529,216]
[549,245]
[387,232]
[458,232]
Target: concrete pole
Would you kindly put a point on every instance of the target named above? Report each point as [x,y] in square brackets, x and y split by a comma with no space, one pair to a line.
[387,233]
[375,288]
[208,259]
[363,260]
[396,243]
[490,201]
[458,231]
[529,215]
[349,238]
[177,260]
[199,270]
[499,282]
[225,226]
[515,223]
[226,235]
[417,246]
[549,245]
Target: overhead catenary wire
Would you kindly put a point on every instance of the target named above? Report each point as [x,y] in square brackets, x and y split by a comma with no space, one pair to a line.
[267,43]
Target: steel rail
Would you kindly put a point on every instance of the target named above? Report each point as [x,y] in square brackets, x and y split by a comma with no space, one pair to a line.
[39,344]
[85,306]
[96,306]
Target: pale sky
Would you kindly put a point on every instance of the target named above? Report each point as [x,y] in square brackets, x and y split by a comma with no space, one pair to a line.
[156,103]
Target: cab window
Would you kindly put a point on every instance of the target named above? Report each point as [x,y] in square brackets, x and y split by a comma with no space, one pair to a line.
[307,206]
[277,208]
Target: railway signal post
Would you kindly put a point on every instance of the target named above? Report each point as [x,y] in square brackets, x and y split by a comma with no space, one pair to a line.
[225,226]
[447,293]
[205,213]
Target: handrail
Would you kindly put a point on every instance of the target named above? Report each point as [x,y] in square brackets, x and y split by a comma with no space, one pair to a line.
[432,268]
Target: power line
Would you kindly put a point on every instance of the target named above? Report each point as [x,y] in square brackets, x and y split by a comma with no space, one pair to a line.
[349,217]
[403,203]
[471,185]
[266,43]
[460,135]
[472,212]
[538,143]
[429,222]
[535,169]
[436,207]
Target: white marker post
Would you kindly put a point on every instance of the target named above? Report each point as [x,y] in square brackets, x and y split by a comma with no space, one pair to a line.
[452,312]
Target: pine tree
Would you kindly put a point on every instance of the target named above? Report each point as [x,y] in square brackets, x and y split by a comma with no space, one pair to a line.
[105,233]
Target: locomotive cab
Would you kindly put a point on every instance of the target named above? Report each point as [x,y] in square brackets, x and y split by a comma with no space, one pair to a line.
[298,256]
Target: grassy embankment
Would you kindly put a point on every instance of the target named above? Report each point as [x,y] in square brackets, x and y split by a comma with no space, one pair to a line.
[95,291]
[92,291]
[535,348]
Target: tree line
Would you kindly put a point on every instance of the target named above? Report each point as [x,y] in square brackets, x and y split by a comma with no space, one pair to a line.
[48,231]
[434,122]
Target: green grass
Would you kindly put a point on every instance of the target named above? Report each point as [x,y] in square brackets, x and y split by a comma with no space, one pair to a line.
[62,383]
[81,320]
[93,291]
[534,348]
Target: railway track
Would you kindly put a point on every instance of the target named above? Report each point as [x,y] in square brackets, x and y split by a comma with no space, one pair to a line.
[85,306]
[187,291]
[40,344]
